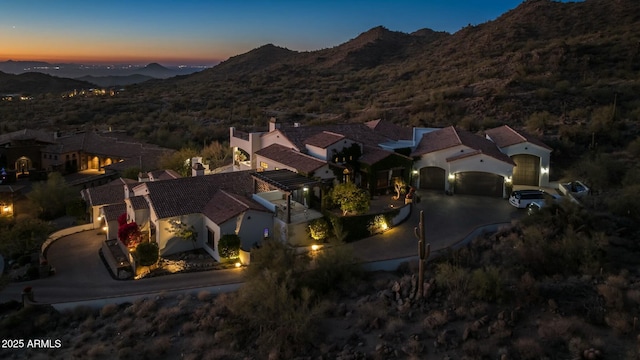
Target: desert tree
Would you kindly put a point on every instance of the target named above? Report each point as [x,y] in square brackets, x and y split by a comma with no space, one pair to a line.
[52,196]
[350,198]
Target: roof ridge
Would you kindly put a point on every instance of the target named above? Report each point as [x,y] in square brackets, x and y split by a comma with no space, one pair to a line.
[455,132]
[229,195]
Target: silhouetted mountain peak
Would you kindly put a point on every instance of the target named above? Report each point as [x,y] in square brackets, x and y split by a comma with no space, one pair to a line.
[156,67]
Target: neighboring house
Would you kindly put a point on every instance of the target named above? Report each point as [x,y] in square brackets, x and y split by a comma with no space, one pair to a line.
[28,151]
[22,151]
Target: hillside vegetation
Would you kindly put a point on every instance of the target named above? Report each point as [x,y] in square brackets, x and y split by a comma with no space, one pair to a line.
[567,59]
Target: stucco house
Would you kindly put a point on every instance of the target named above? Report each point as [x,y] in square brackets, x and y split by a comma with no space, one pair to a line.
[326,152]
[107,199]
[446,159]
[212,205]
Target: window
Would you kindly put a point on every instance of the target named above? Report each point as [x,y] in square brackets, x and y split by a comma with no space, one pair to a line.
[264,165]
[211,239]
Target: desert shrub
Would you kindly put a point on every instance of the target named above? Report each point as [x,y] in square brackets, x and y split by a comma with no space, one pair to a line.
[335,269]
[204,295]
[372,315]
[166,318]
[273,312]
[145,308]
[229,246]
[319,229]
[528,349]
[627,202]
[620,322]
[97,351]
[108,310]
[487,284]
[435,319]
[527,288]
[558,330]
[159,346]
[147,253]
[613,292]
[539,121]
[273,309]
[454,278]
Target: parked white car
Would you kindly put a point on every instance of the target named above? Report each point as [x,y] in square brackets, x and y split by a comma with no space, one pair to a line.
[523,198]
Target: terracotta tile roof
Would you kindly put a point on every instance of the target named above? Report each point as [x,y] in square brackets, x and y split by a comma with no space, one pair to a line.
[138,202]
[357,132]
[449,137]
[505,136]
[372,155]
[111,193]
[111,212]
[391,130]
[111,144]
[324,139]
[484,146]
[437,140]
[303,163]
[224,206]
[27,134]
[164,175]
[190,195]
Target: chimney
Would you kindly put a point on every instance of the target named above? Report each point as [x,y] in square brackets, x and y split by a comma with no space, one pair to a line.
[273,124]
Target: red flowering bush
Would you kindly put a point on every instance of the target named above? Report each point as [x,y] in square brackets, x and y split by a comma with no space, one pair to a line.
[122,219]
[129,233]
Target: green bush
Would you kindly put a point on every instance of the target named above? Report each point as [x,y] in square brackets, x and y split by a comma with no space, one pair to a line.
[487,284]
[359,227]
[229,246]
[147,253]
[319,229]
[350,198]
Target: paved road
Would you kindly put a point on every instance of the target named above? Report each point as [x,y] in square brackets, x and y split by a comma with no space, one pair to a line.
[80,273]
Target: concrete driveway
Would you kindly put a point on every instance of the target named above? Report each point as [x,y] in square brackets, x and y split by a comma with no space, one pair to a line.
[448,220]
[80,273]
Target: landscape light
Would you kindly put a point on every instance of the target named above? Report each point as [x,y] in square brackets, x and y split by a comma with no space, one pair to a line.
[238,264]
[315,247]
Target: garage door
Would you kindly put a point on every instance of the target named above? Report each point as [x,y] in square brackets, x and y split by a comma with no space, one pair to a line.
[432,178]
[479,183]
[527,169]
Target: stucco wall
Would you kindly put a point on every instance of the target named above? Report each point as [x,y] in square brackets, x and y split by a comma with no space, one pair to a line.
[532,149]
[251,227]
[170,244]
[482,163]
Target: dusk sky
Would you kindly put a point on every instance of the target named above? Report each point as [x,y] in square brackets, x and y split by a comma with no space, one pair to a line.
[201,32]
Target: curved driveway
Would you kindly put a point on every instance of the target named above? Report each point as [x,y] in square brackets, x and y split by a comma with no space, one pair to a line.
[81,274]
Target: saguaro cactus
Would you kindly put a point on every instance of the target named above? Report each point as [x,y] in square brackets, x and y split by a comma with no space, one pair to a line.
[424,250]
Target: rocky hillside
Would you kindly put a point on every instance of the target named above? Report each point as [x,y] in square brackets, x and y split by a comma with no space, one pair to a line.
[554,61]
[543,55]
[38,83]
